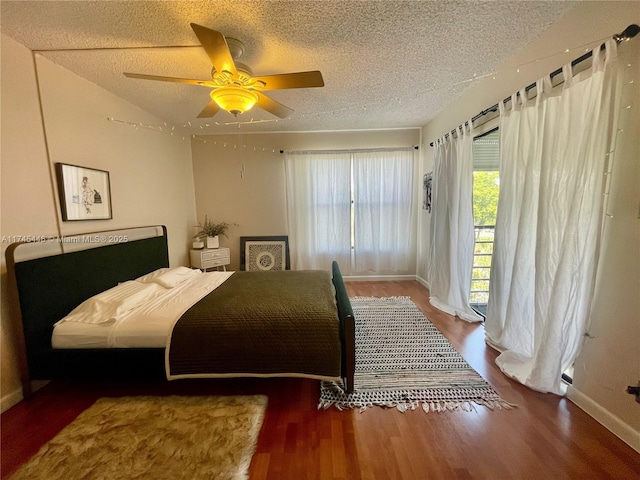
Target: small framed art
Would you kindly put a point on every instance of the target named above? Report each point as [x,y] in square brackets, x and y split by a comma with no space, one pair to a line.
[427,185]
[85,193]
[264,253]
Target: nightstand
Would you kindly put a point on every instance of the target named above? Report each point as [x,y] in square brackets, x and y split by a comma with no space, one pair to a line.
[210,258]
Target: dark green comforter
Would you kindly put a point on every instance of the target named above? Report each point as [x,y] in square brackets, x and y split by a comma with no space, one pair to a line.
[260,323]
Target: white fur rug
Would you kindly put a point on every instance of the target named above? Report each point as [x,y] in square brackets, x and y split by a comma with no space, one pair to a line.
[207,437]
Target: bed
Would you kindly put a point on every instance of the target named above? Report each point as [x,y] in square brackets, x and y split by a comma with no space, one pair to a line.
[287,323]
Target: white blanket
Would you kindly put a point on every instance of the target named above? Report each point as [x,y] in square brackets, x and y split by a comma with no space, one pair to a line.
[137,325]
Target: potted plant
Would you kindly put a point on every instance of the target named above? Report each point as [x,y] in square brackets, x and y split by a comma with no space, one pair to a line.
[211,231]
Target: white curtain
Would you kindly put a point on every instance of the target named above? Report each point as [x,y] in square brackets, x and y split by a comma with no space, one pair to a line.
[319,210]
[553,153]
[383,189]
[451,228]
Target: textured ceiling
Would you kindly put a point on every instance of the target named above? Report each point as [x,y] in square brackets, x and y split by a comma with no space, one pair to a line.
[386,64]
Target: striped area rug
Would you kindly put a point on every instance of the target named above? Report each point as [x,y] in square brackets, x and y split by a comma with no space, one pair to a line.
[403,361]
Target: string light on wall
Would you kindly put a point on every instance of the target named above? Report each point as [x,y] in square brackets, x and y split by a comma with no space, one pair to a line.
[171,130]
[627,98]
[630,32]
[371,105]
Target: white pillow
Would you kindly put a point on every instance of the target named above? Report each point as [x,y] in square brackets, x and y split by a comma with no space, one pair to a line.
[175,276]
[150,276]
[105,307]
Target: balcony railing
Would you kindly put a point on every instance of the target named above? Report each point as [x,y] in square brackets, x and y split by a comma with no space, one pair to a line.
[481,273]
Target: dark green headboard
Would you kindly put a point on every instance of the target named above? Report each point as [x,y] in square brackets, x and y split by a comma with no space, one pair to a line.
[49,287]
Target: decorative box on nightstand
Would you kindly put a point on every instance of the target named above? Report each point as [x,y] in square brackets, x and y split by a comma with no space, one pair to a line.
[210,258]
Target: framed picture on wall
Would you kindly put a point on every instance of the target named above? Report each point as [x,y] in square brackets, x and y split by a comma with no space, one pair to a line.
[427,185]
[264,253]
[85,193]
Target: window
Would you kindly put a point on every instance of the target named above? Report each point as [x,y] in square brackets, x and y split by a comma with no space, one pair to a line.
[353,207]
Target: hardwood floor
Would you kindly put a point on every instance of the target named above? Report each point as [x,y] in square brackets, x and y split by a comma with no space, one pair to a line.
[546,437]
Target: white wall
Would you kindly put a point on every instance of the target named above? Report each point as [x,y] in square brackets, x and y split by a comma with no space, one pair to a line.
[611,361]
[27,206]
[256,199]
[151,173]
[610,357]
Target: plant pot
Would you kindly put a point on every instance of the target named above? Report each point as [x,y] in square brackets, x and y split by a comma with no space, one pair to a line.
[213,242]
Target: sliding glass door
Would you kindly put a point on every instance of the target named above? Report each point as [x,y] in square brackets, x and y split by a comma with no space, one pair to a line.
[486,188]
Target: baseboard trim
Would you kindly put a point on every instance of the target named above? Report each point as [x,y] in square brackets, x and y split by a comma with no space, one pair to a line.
[10,400]
[378,278]
[16,396]
[383,278]
[610,421]
[422,281]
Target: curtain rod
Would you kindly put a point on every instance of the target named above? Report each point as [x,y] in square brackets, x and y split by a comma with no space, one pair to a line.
[628,33]
[354,150]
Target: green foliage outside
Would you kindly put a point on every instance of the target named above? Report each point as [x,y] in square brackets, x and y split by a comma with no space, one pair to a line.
[485,207]
[485,197]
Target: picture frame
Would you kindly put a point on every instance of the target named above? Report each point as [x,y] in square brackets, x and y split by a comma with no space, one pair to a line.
[268,253]
[84,193]
[427,185]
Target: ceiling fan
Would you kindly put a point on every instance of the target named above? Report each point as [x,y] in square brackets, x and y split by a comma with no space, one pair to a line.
[235,89]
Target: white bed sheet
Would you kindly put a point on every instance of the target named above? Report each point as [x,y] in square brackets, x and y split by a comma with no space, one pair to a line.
[147,326]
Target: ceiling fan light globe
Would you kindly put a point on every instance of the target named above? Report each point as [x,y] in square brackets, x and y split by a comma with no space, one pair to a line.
[233,99]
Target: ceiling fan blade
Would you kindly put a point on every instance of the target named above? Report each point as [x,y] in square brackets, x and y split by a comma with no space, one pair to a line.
[271,106]
[202,83]
[216,47]
[292,80]
[210,110]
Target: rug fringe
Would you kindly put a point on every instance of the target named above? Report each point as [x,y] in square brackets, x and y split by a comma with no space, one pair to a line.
[438,406]
[496,404]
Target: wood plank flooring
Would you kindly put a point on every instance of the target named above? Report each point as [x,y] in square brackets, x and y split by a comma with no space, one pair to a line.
[546,437]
